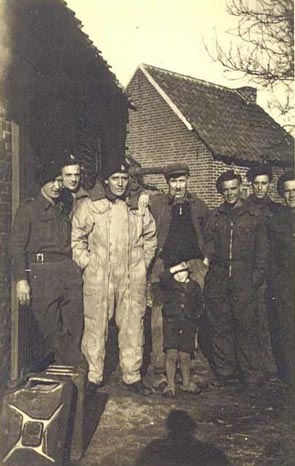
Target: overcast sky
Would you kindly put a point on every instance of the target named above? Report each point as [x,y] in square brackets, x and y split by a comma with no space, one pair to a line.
[169,34]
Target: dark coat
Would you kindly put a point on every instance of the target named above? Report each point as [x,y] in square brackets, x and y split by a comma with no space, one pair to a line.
[181,299]
[282,292]
[161,207]
[281,231]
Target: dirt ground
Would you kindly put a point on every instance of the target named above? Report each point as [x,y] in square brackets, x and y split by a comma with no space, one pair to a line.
[219,427]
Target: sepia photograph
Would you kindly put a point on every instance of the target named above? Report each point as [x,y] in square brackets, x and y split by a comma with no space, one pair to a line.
[147,233]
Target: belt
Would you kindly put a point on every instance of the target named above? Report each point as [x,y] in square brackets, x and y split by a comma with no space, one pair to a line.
[228,262]
[41,257]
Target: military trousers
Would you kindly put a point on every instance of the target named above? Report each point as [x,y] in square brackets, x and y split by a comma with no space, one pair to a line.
[57,304]
[266,357]
[231,307]
[282,328]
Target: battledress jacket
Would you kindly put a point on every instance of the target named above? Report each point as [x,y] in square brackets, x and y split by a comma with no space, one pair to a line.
[240,247]
[39,226]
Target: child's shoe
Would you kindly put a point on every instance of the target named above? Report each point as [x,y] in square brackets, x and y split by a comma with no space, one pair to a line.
[169,391]
[160,383]
[191,389]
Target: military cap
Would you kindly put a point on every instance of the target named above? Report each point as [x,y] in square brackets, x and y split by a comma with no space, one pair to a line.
[259,170]
[46,171]
[114,166]
[227,176]
[179,267]
[288,176]
[176,169]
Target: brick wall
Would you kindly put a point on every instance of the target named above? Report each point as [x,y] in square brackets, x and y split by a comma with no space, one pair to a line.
[5,228]
[219,167]
[156,137]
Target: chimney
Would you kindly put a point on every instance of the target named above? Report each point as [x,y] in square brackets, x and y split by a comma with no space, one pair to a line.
[248,93]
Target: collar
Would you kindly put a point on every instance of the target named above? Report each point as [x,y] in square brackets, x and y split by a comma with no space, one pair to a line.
[186,199]
[245,207]
[260,203]
[44,202]
[101,191]
[81,193]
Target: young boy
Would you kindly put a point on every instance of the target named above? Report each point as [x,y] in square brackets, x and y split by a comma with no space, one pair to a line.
[183,304]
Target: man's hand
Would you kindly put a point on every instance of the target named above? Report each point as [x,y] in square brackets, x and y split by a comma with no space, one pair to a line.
[143,200]
[206,261]
[23,292]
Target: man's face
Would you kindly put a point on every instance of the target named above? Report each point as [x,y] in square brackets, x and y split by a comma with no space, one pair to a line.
[289,193]
[181,276]
[71,175]
[231,192]
[118,183]
[261,185]
[53,188]
[178,186]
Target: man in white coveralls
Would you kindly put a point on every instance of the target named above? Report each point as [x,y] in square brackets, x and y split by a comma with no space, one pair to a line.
[114,241]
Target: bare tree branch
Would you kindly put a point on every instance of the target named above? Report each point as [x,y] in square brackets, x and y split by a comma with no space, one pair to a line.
[262,47]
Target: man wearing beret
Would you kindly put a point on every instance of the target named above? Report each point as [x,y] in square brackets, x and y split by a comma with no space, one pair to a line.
[72,192]
[46,277]
[236,244]
[282,311]
[260,177]
[180,218]
[114,241]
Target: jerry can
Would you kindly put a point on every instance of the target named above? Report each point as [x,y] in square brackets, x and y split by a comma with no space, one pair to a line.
[34,423]
[78,378]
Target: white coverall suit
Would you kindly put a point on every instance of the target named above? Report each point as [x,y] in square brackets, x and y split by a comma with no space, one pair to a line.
[114,245]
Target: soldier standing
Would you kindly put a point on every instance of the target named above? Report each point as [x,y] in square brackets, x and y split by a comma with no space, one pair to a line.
[114,241]
[46,277]
[260,178]
[236,247]
[282,312]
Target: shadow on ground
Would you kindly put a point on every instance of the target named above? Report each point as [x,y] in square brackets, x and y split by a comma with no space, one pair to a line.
[94,408]
[179,448]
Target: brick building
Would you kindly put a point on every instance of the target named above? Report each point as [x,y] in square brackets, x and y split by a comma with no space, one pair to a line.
[57,93]
[210,127]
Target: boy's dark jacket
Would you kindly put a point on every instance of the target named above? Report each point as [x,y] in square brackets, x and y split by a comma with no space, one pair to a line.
[181,298]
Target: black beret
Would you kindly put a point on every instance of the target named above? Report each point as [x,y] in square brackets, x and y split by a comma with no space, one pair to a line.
[258,171]
[46,171]
[176,169]
[114,166]
[227,176]
[68,158]
[288,176]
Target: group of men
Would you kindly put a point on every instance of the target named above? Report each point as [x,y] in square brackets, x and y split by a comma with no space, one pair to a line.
[80,259]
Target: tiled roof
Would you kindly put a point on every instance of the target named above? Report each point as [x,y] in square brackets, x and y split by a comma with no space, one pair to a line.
[96,54]
[54,25]
[230,127]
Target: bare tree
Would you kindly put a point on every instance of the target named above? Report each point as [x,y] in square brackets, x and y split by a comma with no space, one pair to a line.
[264,47]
